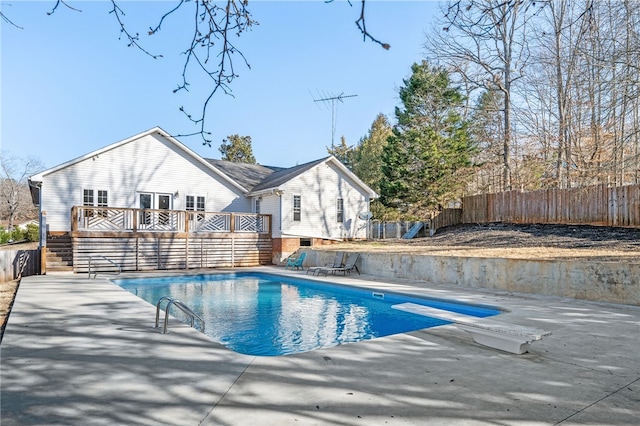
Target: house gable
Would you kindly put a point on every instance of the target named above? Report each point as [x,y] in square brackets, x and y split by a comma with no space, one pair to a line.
[156,131]
[150,163]
[319,188]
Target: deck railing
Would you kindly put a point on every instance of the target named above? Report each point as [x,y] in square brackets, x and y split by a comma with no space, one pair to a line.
[112,219]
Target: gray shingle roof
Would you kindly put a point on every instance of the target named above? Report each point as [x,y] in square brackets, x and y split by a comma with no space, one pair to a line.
[247,175]
[255,177]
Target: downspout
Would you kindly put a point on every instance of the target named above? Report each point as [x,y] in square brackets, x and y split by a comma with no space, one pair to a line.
[41,224]
[279,194]
[42,240]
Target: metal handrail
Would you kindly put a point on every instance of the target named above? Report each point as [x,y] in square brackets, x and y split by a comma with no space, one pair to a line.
[108,260]
[178,304]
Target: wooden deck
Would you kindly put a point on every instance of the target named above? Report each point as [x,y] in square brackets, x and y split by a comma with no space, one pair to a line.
[122,239]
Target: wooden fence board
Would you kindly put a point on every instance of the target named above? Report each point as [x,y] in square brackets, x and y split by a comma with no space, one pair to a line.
[15,264]
[594,205]
[598,205]
[144,253]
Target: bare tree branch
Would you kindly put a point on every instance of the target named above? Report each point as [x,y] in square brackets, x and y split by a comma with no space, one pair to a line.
[361,24]
[212,49]
[9,21]
[58,3]
[133,39]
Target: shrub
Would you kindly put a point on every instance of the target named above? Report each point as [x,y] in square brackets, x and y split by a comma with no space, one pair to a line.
[32,233]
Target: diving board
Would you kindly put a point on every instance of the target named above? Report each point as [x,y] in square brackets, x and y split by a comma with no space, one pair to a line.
[495,334]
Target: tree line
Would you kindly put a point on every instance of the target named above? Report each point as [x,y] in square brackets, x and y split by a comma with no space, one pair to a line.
[510,95]
[516,94]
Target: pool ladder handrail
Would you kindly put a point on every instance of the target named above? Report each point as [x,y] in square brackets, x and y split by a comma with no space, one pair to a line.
[178,304]
[95,274]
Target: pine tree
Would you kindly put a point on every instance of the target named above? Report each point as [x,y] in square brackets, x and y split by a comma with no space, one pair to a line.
[430,145]
[237,149]
[367,161]
[343,152]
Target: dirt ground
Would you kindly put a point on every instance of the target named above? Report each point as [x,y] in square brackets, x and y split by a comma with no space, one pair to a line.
[7,294]
[564,242]
[519,241]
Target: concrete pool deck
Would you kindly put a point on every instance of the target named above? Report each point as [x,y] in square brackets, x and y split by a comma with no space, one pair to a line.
[81,351]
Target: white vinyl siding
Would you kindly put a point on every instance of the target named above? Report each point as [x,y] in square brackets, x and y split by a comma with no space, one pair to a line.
[327,184]
[270,204]
[149,164]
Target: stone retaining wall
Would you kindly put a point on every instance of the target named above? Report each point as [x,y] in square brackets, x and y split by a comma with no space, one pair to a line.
[615,282]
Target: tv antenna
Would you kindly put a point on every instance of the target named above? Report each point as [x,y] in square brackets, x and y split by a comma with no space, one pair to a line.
[334,110]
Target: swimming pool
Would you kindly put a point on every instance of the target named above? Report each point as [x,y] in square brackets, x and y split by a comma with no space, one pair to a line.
[267,315]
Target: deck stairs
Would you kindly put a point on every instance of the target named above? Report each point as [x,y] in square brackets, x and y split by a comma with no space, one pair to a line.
[413,231]
[59,253]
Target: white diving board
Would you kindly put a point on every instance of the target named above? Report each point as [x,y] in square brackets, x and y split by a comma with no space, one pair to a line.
[499,335]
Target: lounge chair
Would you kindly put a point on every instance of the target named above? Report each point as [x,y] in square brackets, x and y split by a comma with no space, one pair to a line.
[296,262]
[338,262]
[349,266]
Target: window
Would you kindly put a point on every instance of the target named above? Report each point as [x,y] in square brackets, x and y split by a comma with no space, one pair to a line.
[257,205]
[340,210]
[88,199]
[102,202]
[297,203]
[145,204]
[196,204]
[102,198]
[164,203]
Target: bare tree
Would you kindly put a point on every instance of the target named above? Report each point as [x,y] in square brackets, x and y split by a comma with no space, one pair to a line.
[485,43]
[14,189]
[590,57]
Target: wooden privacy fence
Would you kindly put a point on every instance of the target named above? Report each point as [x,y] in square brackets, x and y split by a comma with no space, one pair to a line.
[592,205]
[15,264]
[446,217]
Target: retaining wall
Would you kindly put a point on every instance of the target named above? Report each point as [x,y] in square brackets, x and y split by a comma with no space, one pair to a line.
[615,282]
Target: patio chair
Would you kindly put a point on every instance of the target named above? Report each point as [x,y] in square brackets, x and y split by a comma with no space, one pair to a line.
[296,262]
[338,262]
[349,266]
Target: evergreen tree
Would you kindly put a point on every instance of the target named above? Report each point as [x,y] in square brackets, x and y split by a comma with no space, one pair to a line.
[430,144]
[238,149]
[343,152]
[367,159]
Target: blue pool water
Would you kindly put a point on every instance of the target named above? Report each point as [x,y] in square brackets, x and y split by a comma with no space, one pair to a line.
[264,314]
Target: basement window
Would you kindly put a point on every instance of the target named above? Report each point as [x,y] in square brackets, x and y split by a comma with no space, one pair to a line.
[305,242]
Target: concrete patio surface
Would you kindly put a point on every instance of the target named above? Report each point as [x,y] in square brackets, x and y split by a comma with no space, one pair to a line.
[80,351]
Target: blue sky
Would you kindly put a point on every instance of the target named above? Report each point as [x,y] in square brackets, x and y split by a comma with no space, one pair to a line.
[70,85]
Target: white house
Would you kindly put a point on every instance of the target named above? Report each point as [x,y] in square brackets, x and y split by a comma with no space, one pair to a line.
[308,203]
